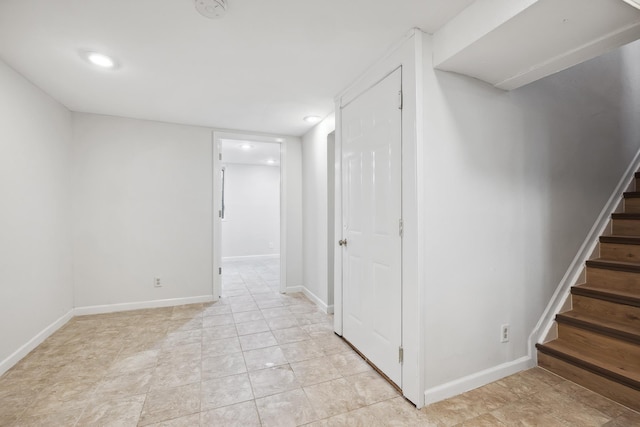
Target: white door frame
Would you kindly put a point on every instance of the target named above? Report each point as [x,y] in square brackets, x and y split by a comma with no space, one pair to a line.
[407,54]
[217,202]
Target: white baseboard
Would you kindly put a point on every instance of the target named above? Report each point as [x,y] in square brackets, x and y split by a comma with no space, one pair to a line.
[294,289]
[317,301]
[17,355]
[476,380]
[251,257]
[112,308]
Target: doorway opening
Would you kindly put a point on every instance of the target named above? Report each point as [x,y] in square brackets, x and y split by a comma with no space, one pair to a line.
[248,229]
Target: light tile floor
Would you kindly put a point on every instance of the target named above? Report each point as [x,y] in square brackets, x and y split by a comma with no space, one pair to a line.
[256,358]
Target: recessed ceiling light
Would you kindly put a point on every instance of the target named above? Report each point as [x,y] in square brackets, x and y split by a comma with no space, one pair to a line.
[312,119]
[271,161]
[279,139]
[246,147]
[99,59]
[634,3]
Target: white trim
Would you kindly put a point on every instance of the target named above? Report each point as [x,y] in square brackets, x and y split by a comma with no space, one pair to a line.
[217,228]
[251,257]
[408,54]
[317,301]
[294,289]
[574,271]
[127,306]
[34,342]
[475,380]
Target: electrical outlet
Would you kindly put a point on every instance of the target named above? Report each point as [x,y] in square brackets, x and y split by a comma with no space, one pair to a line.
[157,283]
[504,333]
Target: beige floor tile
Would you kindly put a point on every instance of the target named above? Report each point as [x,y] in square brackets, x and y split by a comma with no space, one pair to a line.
[628,419]
[248,316]
[524,384]
[259,340]
[171,374]
[121,412]
[332,345]
[221,319]
[130,384]
[333,397]
[273,381]
[166,404]
[68,418]
[216,309]
[222,366]
[137,361]
[301,350]
[282,322]
[589,398]
[371,387]
[181,325]
[253,327]
[349,363]
[485,420]
[272,313]
[239,415]
[264,358]
[183,338]
[569,410]
[289,335]
[192,420]
[452,411]
[526,413]
[225,391]
[220,347]
[291,408]
[314,371]
[241,308]
[218,333]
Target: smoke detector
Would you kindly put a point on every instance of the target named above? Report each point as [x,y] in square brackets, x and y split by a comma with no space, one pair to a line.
[211,8]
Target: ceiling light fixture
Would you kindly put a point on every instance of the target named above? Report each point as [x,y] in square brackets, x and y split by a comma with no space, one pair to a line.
[312,119]
[211,8]
[634,3]
[271,161]
[246,147]
[99,59]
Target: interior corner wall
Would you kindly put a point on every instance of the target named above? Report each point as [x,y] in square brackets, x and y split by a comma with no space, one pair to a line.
[514,182]
[36,288]
[143,195]
[251,225]
[314,210]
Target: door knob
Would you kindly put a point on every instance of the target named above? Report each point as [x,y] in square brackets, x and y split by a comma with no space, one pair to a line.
[342,242]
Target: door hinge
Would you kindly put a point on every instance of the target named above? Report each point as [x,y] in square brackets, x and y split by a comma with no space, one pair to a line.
[219,156]
[220,214]
[400,100]
[400,227]
[400,355]
[219,270]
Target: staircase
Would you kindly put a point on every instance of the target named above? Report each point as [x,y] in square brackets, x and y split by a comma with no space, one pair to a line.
[598,344]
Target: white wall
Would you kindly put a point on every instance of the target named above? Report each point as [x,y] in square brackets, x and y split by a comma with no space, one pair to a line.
[35,227]
[291,171]
[314,209]
[143,209]
[251,225]
[514,182]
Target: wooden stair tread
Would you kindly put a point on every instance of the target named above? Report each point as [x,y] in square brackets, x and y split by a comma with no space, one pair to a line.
[626,215]
[637,175]
[599,325]
[612,295]
[621,240]
[632,267]
[631,194]
[596,363]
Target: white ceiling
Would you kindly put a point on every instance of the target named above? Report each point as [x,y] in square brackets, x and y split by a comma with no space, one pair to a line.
[262,67]
[258,153]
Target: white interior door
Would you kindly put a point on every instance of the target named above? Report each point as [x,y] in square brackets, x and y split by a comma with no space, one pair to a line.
[372,212]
